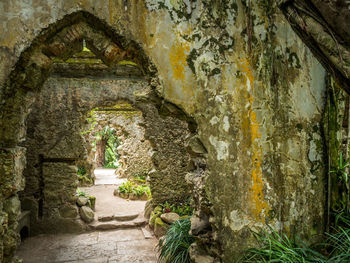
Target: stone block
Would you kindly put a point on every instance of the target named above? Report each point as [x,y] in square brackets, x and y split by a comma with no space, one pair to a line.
[170,218]
[86,214]
[82,200]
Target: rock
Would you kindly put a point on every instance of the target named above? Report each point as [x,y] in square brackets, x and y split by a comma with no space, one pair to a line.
[199,256]
[123,195]
[115,192]
[154,215]
[86,214]
[144,197]
[199,224]
[194,145]
[133,196]
[68,211]
[148,209]
[170,217]
[160,228]
[82,200]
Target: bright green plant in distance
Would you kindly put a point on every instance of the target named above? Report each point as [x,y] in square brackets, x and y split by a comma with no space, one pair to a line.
[129,187]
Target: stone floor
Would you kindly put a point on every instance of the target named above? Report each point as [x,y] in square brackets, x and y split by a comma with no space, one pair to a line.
[107,203]
[130,245]
[106,176]
[124,246]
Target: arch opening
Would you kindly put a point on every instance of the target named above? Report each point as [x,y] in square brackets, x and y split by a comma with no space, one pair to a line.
[167,127]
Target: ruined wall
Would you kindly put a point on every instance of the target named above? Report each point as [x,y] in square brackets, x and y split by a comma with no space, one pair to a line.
[254,89]
[134,150]
[55,142]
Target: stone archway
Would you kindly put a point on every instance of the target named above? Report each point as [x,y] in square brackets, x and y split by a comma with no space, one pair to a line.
[165,123]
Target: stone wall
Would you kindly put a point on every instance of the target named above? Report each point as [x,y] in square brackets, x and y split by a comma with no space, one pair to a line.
[55,143]
[134,150]
[237,68]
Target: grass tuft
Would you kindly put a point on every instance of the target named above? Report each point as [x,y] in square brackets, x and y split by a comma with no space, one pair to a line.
[174,246]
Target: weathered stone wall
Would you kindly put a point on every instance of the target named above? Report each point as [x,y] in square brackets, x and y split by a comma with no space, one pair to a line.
[253,88]
[134,150]
[55,142]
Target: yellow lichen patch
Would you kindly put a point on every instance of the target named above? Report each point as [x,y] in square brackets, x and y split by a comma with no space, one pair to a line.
[177,57]
[259,206]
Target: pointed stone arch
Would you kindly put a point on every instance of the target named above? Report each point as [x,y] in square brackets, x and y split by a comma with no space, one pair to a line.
[61,40]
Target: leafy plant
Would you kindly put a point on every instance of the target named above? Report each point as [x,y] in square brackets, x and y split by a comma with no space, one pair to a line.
[181,209]
[174,247]
[80,192]
[81,171]
[127,187]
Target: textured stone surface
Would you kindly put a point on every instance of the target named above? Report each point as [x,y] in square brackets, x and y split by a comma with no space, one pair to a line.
[82,200]
[160,227]
[68,211]
[243,77]
[170,218]
[86,214]
[134,150]
[122,246]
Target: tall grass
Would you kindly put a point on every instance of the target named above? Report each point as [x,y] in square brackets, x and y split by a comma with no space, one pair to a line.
[275,247]
[174,246]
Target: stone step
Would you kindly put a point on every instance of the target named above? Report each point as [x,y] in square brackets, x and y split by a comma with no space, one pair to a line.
[146,233]
[97,225]
[120,217]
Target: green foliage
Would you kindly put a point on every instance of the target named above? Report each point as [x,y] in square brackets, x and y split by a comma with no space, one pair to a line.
[111,155]
[80,192]
[81,171]
[275,247]
[181,209]
[339,241]
[83,177]
[174,247]
[127,187]
[130,187]
[91,123]
[140,178]
[341,172]
[279,248]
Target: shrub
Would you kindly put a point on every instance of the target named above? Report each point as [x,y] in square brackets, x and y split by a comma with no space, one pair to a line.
[174,246]
[127,187]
